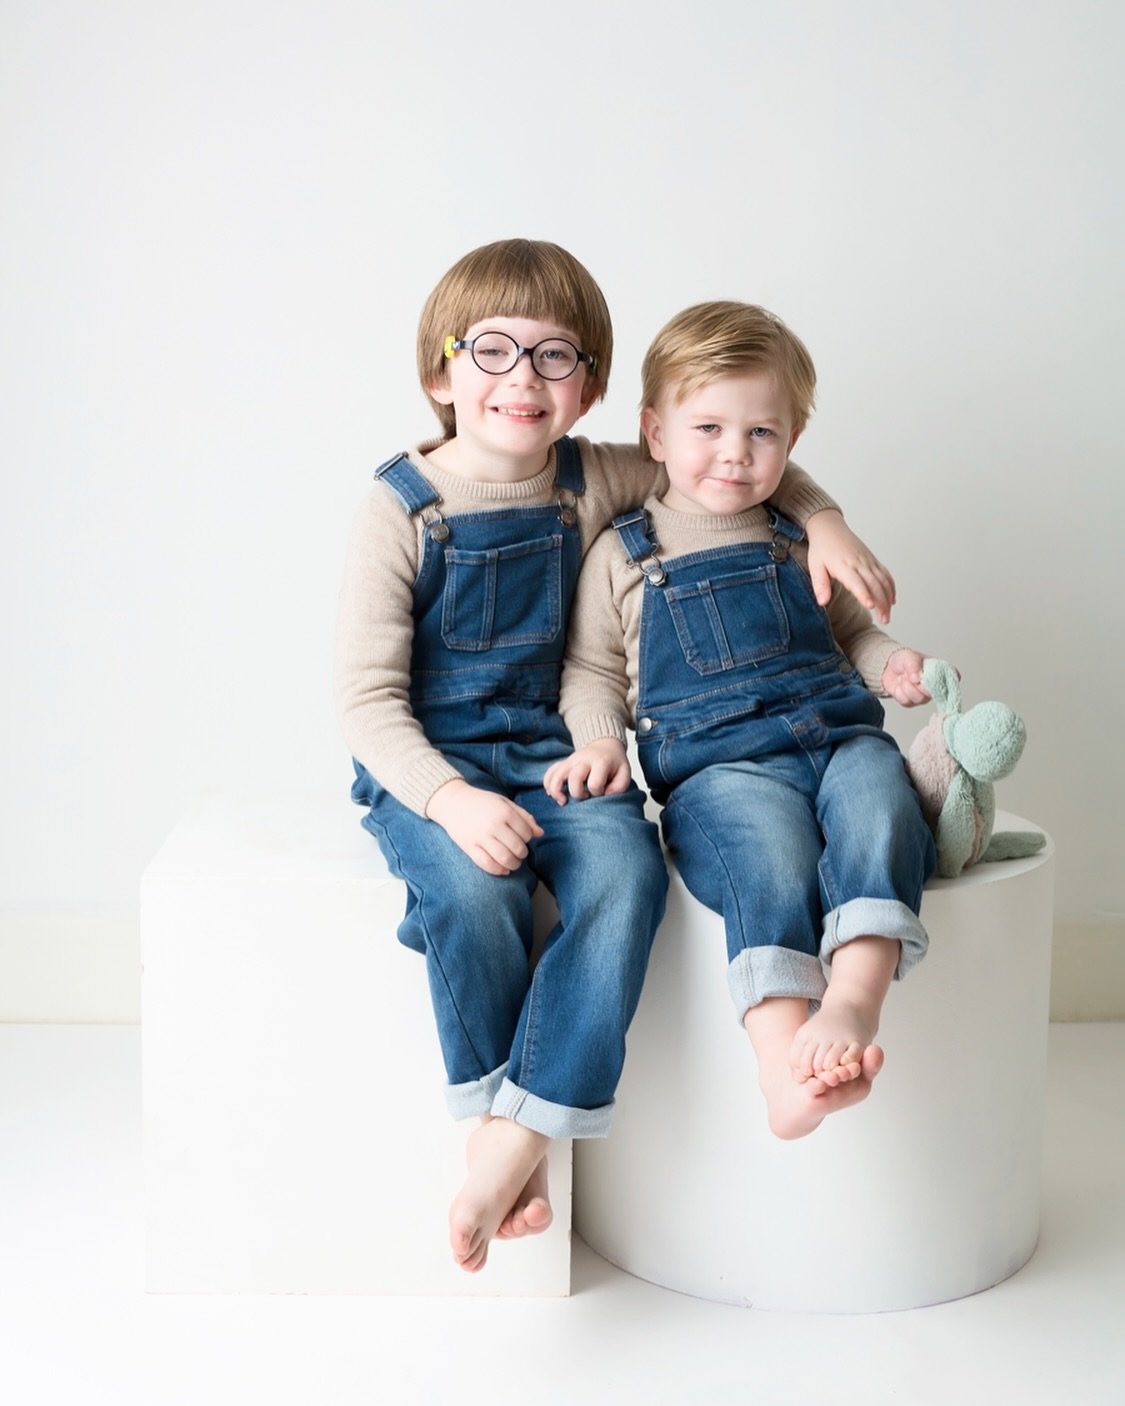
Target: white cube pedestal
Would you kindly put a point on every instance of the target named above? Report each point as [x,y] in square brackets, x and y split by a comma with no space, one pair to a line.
[296,1139]
[927,1191]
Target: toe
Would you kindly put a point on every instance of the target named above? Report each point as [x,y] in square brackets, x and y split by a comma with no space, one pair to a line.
[476,1261]
[537,1215]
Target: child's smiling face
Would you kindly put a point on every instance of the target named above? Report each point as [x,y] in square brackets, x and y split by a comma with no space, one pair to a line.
[725,445]
[507,423]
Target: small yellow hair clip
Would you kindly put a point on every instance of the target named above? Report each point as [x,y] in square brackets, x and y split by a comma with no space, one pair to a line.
[449,347]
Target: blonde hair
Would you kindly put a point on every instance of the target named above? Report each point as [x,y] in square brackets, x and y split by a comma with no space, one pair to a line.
[710,340]
[514,278]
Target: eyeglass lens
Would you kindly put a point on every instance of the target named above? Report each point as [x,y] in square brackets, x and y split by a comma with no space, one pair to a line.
[496,352]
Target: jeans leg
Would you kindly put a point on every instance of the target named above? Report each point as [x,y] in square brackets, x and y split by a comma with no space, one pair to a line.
[745,838]
[601,860]
[475,932]
[878,850]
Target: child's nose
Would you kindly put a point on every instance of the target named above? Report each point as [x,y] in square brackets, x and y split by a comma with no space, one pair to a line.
[523,372]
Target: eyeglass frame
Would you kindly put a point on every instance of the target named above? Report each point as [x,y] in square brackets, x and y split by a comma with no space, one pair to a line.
[455,344]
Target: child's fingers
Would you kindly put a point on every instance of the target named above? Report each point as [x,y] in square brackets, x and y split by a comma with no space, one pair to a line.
[887,584]
[554,782]
[871,584]
[878,578]
[619,781]
[522,823]
[579,777]
[875,595]
[576,782]
[565,780]
[908,693]
[598,778]
[614,777]
[822,584]
[855,581]
[506,848]
[484,860]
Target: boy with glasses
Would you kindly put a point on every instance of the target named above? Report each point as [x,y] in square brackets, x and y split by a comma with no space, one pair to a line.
[786,806]
[457,591]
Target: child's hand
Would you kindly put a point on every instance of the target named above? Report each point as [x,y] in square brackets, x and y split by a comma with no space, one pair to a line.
[902,678]
[492,830]
[600,768]
[836,553]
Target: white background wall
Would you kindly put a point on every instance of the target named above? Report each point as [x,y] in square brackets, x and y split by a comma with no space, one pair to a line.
[220,221]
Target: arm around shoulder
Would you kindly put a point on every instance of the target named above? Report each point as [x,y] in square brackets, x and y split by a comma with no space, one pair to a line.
[835,552]
[799,496]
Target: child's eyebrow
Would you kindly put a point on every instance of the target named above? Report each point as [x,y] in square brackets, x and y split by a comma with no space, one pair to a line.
[757,419]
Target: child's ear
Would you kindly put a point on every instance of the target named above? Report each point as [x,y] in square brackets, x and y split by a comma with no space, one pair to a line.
[793,438]
[442,392]
[653,432]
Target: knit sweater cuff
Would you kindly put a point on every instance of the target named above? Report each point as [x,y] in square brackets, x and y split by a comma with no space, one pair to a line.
[872,664]
[590,727]
[424,780]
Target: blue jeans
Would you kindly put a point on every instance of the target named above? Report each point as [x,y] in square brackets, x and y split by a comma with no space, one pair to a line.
[543,1046]
[802,851]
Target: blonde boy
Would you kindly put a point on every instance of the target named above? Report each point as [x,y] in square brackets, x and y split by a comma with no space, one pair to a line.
[786,806]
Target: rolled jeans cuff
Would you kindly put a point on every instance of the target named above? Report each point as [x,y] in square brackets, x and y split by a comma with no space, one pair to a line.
[758,973]
[554,1120]
[876,917]
[474,1099]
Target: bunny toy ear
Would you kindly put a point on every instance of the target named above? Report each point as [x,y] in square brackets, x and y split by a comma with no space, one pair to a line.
[943,685]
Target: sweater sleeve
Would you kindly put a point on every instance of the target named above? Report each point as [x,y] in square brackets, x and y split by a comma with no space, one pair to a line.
[798,496]
[594,690]
[860,638]
[374,638]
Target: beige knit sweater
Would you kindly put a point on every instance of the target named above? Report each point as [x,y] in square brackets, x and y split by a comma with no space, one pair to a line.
[375,623]
[599,682]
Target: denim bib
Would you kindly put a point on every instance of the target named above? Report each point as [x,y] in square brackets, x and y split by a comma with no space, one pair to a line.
[491,602]
[737,659]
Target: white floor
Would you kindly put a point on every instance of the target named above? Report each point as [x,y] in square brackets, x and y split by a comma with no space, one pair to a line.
[76,1328]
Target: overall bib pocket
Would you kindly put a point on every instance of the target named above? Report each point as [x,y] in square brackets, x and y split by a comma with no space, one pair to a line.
[504,596]
[730,621]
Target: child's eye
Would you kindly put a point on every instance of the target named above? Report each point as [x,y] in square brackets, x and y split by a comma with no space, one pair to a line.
[761,432]
[707,429]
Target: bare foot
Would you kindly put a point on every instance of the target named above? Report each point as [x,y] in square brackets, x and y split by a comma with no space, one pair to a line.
[501,1156]
[532,1214]
[830,1045]
[795,1110]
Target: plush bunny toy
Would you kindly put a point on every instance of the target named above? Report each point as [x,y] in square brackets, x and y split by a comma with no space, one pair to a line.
[953,762]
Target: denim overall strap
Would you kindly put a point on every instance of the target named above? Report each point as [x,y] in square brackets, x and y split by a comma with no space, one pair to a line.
[785,533]
[568,466]
[634,530]
[781,524]
[407,484]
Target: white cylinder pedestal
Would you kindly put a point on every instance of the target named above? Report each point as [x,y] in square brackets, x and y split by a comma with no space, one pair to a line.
[927,1191]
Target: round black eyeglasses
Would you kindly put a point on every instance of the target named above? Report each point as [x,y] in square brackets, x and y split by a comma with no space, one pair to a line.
[495,352]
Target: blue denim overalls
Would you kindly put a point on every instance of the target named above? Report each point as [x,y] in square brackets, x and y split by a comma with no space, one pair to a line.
[491,602]
[787,807]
